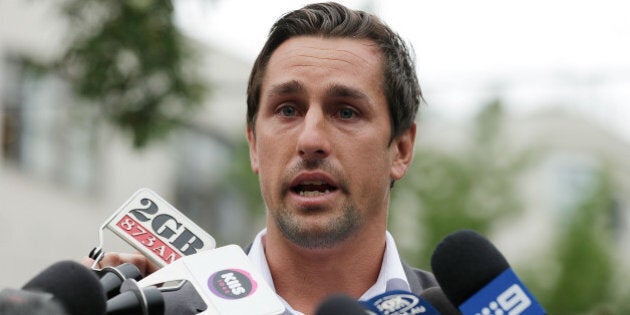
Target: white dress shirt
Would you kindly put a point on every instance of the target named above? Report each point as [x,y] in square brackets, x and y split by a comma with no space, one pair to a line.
[391,277]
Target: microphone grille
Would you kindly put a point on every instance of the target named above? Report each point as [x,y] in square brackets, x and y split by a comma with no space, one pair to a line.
[76,287]
[464,262]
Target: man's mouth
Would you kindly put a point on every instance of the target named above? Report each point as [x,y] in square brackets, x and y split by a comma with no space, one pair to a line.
[313,188]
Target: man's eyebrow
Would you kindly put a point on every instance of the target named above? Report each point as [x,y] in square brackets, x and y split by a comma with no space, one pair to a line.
[343,91]
[334,90]
[290,87]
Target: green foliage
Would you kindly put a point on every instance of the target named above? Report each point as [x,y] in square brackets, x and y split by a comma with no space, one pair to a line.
[128,58]
[474,188]
[585,281]
[240,175]
[469,189]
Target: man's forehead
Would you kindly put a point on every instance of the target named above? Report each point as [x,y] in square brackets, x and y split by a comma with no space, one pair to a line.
[344,49]
[304,55]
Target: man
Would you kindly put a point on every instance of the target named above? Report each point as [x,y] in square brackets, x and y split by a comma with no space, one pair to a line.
[331,101]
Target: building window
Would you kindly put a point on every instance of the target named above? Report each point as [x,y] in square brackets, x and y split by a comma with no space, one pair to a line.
[46,132]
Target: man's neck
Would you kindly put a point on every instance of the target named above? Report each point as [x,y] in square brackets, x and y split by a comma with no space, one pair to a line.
[305,277]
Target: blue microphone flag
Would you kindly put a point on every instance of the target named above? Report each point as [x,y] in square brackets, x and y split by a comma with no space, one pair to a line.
[399,302]
[505,294]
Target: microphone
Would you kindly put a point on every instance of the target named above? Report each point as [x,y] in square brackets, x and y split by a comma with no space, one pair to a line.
[340,304]
[210,281]
[399,302]
[65,285]
[435,296]
[224,278]
[476,277]
[113,277]
[134,300]
[155,228]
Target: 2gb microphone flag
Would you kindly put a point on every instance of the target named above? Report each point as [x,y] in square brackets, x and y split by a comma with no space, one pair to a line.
[156,229]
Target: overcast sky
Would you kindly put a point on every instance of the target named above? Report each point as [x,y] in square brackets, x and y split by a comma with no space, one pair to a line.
[465,49]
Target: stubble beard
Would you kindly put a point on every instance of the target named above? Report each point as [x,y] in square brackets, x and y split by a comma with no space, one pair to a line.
[335,231]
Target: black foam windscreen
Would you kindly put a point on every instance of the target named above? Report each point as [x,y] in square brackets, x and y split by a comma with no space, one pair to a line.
[436,297]
[74,286]
[464,262]
[337,304]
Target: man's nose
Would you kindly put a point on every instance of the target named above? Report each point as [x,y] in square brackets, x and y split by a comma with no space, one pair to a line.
[313,142]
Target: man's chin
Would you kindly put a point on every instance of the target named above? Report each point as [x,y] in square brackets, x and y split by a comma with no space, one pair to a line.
[318,236]
[320,240]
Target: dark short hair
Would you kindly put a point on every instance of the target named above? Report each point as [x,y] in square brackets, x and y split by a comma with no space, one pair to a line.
[331,19]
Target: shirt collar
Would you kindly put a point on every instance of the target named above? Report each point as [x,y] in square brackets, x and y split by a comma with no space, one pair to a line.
[391,277]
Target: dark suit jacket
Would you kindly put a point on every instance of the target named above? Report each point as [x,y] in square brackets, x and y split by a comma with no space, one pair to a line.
[419,280]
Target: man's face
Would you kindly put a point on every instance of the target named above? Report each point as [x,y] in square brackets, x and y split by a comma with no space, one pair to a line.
[321,145]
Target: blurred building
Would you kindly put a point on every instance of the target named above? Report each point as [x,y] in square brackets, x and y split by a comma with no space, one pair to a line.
[63,171]
[570,153]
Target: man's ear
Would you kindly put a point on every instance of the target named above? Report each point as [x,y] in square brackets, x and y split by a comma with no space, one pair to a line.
[253,153]
[403,147]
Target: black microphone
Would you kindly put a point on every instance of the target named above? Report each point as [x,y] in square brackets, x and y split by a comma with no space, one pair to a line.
[476,277]
[436,297]
[134,300]
[340,304]
[398,302]
[76,288]
[113,277]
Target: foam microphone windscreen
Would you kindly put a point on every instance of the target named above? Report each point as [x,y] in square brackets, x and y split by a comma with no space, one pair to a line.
[74,286]
[436,297]
[338,304]
[464,262]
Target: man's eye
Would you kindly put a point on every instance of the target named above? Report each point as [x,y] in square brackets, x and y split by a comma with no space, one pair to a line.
[346,113]
[288,111]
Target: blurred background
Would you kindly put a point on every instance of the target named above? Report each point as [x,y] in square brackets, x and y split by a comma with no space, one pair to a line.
[524,137]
